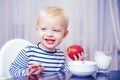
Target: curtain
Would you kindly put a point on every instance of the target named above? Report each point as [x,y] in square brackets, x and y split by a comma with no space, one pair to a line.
[115,19]
[94,24]
[114,12]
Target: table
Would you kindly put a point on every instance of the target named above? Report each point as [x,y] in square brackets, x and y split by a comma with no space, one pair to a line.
[113,75]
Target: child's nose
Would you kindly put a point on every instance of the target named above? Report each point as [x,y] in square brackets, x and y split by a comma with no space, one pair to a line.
[49,33]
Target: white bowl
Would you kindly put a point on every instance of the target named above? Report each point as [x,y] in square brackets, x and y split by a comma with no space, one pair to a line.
[79,68]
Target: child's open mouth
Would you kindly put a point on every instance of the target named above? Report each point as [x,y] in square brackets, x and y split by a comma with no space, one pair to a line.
[50,41]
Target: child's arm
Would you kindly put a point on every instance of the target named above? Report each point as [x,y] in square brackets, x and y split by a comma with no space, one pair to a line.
[19,66]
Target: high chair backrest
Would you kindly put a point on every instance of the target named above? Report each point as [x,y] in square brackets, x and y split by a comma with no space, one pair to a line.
[8,53]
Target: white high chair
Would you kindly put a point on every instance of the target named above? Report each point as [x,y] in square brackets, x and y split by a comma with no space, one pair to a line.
[8,53]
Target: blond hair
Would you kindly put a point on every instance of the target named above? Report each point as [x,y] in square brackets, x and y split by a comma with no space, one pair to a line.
[53,11]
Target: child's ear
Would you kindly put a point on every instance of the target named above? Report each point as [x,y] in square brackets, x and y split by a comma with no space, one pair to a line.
[37,30]
[66,33]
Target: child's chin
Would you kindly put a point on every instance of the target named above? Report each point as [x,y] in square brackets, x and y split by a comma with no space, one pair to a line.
[50,46]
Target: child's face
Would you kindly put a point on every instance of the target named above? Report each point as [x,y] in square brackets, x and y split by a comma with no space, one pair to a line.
[51,31]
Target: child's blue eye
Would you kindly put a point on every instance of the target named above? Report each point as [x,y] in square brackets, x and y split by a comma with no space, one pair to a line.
[56,30]
[43,28]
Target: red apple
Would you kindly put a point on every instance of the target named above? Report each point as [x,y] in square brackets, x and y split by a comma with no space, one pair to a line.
[74,50]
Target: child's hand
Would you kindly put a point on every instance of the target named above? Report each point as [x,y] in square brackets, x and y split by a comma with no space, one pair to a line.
[80,57]
[35,69]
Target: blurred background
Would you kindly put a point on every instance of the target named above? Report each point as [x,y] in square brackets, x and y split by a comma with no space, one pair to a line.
[94,24]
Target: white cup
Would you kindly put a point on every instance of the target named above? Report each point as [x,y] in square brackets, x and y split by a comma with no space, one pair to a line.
[103,61]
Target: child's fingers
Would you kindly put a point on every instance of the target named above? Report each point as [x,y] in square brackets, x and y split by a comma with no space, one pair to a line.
[31,71]
[75,57]
[82,56]
[38,70]
[32,67]
[35,69]
[37,64]
[79,57]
